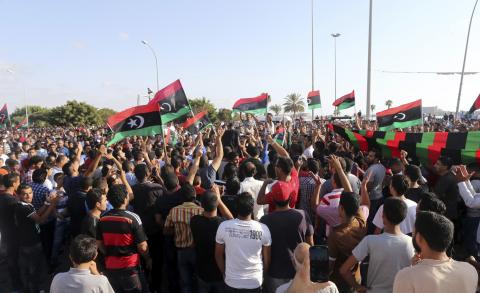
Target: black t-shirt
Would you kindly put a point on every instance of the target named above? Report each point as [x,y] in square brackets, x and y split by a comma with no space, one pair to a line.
[414,194]
[204,231]
[28,231]
[231,203]
[168,201]
[77,211]
[144,197]
[446,189]
[89,225]
[230,138]
[7,223]
[288,229]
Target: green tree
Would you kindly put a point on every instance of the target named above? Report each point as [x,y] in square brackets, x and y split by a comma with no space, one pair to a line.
[388,103]
[104,113]
[294,104]
[37,115]
[276,109]
[74,113]
[224,115]
[204,104]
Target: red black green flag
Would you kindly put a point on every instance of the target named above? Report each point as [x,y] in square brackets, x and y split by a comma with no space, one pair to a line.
[426,147]
[3,115]
[22,124]
[197,122]
[173,102]
[475,106]
[345,102]
[141,120]
[313,100]
[257,105]
[403,116]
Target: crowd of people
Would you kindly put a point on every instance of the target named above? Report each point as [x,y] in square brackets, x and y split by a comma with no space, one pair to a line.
[233,208]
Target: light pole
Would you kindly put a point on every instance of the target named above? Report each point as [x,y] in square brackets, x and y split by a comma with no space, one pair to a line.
[12,72]
[464,60]
[369,67]
[156,61]
[335,36]
[313,76]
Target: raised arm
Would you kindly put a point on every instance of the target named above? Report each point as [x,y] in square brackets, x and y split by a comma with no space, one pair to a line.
[335,162]
[278,148]
[315,198]
[224,211]
[194,167]
[364,197]
[219,149]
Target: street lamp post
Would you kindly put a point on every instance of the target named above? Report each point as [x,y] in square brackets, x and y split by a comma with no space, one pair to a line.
[156,61]
[9,70]
[369,69]
[335,36]
[464,60]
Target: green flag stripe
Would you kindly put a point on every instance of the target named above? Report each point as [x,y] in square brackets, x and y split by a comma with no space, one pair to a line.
[402,124]
[386,152]
[151,130]
[255,112]
[346,105]
[316,106]
[422,147]
[172,116]
[469,153]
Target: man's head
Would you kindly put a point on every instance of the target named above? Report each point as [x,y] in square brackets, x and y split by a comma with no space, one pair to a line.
[232,186]
[141,172]
[396,165]
[349,205]
[283,167]
[374,156]
[233,158]
[253,151]
[95,199]
[11,180]
[209,201]
[394,211]
[443,165]
[118,196]
[83,250]
[245,203]
[86,183]
[39,176]
[429,202]
[36,162]
[398,185]
[250,169]
[58,178]
[433,232]
[25,193]
[413,173]
[171,181]
[301,254]
[188,192]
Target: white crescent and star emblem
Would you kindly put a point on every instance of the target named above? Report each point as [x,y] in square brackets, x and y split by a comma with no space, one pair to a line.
[399,116]
[132,122]
[166,106]
[309,101]
[200,125]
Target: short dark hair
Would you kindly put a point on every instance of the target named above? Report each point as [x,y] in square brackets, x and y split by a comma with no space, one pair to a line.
[229,171]
[83,249]
[86,182]
[23,186]
[116,195]
[378,153]
[232,186]
[39,175]
[232,155]
[245,203]
[399,184]
[413,172]
[252,150]
[249,170]
[170,181]
[395,210]
[446,161]
[10,179]
[429,202]
[141,172]
[313,165]
[35,160]
[94,196]
[188,192]
[436,229]
[209,201]
[350,203]
[285,164]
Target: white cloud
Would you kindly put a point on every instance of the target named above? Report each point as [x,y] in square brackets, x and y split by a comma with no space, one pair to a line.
[123,36]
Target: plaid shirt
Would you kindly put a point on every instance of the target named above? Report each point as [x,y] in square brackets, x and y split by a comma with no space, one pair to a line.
[307,188]
[40,193]
[179,219]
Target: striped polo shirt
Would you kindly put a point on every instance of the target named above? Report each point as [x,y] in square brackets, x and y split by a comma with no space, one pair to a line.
[120,231]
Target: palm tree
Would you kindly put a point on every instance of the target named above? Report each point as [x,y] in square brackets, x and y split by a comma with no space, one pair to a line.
[388,103]
[293,104]
[276,109]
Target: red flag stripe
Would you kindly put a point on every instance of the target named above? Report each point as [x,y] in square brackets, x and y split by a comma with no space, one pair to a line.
[477,103]
[345,97]
[192,120]
[313,94]
[120,116]
[439,142]
[394,143]
[250,100]
[362,142]
[167,91]
[404,107]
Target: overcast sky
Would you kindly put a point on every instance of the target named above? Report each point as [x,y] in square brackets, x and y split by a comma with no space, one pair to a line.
[226,49]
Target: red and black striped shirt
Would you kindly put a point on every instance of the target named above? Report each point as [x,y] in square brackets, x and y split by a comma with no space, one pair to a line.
[121,231]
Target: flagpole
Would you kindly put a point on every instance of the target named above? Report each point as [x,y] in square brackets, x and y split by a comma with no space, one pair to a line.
[464,60]
[313,67]
[369,67]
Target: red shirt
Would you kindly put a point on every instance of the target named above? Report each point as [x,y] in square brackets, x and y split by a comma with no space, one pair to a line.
[284,190]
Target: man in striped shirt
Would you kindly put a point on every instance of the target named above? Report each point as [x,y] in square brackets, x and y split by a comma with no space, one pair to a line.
[121,238]
[178,223]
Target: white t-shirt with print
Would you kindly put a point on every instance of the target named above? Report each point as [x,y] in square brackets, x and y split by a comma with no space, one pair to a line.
[243,242]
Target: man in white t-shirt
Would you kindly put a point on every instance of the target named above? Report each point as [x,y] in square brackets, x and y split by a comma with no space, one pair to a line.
[435,271]
[252,186]
[389,252]
[240,246]
[398,187]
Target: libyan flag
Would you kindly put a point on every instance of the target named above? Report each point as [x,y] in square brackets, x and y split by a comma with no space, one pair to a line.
[22,124]
[475,106]
[172,101]
[313,100]
[403,116]
[345,102]
[141,120]
[197,122]
[257,105]
[3,114]
[426,147]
